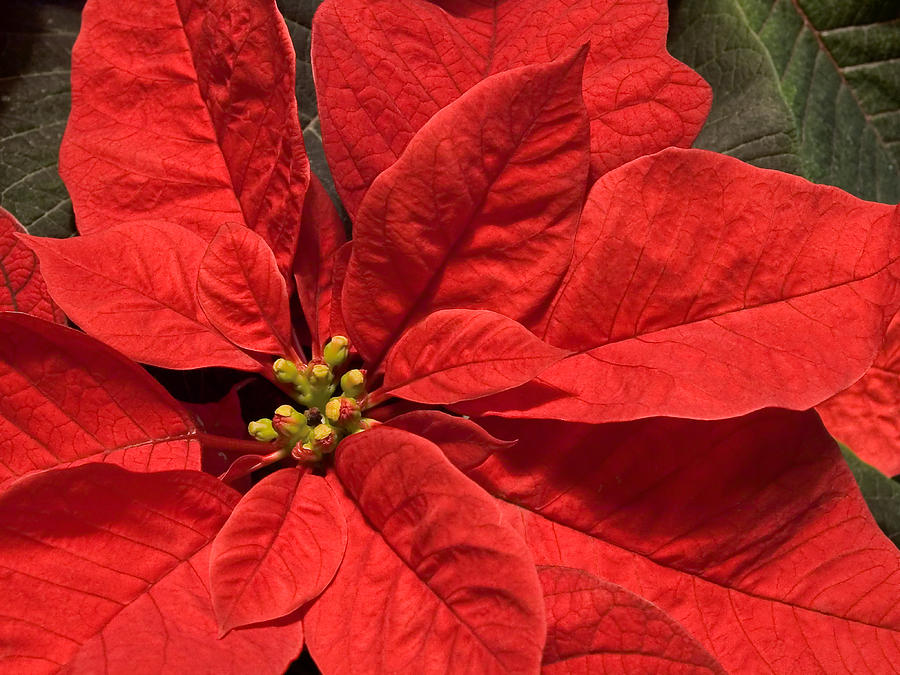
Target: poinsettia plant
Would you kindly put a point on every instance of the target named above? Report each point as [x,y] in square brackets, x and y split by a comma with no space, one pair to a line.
[546,410]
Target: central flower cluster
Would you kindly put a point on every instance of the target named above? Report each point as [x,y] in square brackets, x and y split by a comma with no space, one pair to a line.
[331,405]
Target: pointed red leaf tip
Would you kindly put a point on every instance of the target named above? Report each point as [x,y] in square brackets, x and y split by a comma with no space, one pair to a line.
[459,354]
[749,532]
[864,417]
[432,581]
[321,235]
[66,398]
[135,288]
[410,58]
[23,288]
[478,213]
[185,111]
[707,288]
[594,626]
[463,441]
[107,571]
[278,550]
[242,293]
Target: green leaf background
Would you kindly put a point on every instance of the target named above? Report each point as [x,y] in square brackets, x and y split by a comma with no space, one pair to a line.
[806,86]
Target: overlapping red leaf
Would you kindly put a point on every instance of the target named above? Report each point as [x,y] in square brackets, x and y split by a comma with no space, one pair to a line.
[865,416]
[143,299]
[703,287]
[470,191]
[66,398]
[108,571]
[184,111]
[385,67]
[457,354]
[750,532]
[278,550]
[23,288]
[596,626]
[432,580]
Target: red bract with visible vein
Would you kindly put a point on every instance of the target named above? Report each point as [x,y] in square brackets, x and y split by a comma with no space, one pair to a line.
[23,288]
[865,415]
[185,112]
[489,273]
[384,68]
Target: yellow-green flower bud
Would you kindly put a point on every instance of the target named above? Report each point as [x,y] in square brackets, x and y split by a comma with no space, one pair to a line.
[353,383]
[342,411]
[324,438]
[336,351]
[262,430]
[289,422]
[285,371]
[319,375]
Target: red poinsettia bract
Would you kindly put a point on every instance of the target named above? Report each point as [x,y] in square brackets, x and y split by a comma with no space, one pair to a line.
[544,281]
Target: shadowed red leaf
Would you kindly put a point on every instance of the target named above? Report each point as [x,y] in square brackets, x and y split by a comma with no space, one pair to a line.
[184,111]
[478,213]
[749,532]
[594,626]
[66,398]
[135,288]
[321,235]
[278,550]
[336,324]
[384,67]
[242,293]
[865,416]
[703,287]
[23,288]
[108,571]
[465,443]
[432,580]
[457,354]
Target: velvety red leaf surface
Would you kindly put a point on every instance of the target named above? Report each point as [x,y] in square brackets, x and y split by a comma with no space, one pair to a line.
[108,571]
[704,287]
[242,292]
[432,580]
[594,626]
[23,288]
[321,235]
[278,550]
[457,354]
[865,416]
[135,288]
[478,213]
[385,67]
[464,442]
[749,532]
[66,398]
[184,111]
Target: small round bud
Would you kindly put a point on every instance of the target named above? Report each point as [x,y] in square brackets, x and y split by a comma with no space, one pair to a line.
[324,438]
[285,371]
[353,383]
[289,422]
[320,374]
[336,351]
[262,430]
[342,410]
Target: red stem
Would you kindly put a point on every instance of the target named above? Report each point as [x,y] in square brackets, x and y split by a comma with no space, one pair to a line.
[239,445]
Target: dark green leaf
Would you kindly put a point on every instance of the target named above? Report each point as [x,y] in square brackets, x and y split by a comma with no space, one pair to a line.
[882,494]
[810,86]
[36,40]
